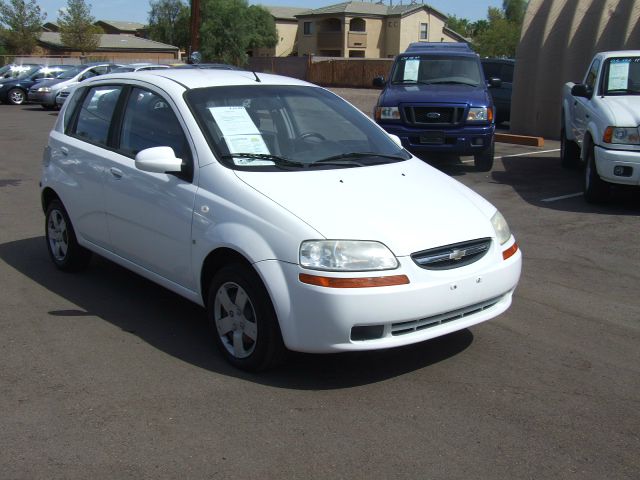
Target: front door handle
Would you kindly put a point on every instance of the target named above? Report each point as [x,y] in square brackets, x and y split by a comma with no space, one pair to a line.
[64,150]
[116,172]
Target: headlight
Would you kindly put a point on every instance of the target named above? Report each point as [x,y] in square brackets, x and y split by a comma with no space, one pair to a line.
[387,113]
[623,135]
[346,255]
[501,227]
[44,89]
[480,114]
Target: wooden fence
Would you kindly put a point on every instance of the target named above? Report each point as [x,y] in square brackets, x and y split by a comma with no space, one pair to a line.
[326,71]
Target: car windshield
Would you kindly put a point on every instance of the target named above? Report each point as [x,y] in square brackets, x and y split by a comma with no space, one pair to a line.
[288,127]
[437,69]
[72,72]
[122,70]
[27,72]
[622,76]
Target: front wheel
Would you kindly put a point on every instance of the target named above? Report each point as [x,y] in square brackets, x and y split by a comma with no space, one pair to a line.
[596,190]
[243,320]
[484,161]
[569,151]
[16,96]
[62,244]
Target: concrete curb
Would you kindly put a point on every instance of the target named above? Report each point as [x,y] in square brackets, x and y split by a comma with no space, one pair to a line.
[520,139]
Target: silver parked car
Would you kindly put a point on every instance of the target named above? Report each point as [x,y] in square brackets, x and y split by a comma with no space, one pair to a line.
[46,91]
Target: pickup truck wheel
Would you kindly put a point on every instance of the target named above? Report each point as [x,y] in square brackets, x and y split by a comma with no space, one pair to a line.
[569,151]
[484,161]
[63,247]
[595,189]
[243,320]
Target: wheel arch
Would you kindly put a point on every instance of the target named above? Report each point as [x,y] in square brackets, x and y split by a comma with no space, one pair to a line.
[215,260]
[47,196]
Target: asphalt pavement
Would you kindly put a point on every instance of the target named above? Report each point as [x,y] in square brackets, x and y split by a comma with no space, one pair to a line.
[106,375]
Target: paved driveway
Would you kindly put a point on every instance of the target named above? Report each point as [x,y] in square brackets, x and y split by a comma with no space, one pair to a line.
[105,375]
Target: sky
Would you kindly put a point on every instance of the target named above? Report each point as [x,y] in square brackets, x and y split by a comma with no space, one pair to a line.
[138,10]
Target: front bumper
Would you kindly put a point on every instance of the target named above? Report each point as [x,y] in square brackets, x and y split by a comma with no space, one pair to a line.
[464,140]
[628,162]
[42,98]
[434,303]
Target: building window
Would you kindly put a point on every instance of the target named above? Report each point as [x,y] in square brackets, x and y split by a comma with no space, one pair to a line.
[356,53]
[307,28]
[424,31]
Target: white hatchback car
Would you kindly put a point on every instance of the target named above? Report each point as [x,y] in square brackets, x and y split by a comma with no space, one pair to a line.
[286,212]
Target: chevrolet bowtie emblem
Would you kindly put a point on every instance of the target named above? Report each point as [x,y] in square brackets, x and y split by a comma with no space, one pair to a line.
[457,254]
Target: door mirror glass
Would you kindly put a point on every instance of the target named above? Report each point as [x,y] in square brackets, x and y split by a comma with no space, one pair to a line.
[580,90]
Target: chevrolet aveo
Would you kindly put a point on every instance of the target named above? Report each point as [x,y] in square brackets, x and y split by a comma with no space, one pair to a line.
[289,215]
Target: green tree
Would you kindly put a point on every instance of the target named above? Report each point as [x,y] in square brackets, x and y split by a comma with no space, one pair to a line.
[460,25]
[23,21]
[169,22]
[230,27]
[514,10]
[501,37]
[77,30]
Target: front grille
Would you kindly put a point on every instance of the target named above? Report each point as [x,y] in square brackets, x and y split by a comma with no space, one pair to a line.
[434,115]
[452,256]
[403,328]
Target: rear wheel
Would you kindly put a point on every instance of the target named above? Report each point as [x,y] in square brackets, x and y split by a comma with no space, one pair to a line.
[15,96]
[596,190]
[243,320]
[63,247]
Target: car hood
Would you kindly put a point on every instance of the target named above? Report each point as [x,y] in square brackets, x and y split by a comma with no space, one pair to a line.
[624,110]
[48,82]
[443,93]
[408,206]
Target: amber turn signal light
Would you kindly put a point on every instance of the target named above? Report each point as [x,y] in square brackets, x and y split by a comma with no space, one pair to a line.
[364,282]
[510,251]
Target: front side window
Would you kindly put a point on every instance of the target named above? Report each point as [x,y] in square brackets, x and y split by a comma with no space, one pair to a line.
[622,76]
[149,122]
[437,69]
[94,118]
[593,74]
[294,127]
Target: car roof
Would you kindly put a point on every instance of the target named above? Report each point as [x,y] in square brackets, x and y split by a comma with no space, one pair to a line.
[498,60]
[190,78]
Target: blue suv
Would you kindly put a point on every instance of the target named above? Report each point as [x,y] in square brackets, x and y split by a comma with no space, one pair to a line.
[437,100]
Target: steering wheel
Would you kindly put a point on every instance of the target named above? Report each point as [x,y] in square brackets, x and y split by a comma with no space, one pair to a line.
[312,135]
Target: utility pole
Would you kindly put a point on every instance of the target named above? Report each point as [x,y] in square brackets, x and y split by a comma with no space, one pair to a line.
[195,26]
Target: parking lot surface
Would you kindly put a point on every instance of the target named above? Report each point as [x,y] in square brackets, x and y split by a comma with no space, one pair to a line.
[106,375]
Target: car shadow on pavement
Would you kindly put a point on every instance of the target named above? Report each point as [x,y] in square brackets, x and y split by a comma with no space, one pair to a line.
[542,181]
[178,327]
[452,165]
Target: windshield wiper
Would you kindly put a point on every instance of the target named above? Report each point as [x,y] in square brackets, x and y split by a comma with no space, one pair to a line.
[278,161]
[346,159]
[453,82]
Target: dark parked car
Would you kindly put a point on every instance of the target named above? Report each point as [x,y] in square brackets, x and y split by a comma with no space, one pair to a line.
[501,68]
[14,91]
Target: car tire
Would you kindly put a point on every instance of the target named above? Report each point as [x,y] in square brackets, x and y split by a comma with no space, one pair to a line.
[483,162]
[569,151]
[62,244]
[15,96]
[596,190]
[242,319]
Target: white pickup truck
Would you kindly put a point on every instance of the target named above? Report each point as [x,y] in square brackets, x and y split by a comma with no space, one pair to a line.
[600,123]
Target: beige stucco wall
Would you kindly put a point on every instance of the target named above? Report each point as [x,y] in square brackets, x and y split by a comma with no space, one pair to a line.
[287,31]
[307,44]
[410,29]
[375,38]
[558,40]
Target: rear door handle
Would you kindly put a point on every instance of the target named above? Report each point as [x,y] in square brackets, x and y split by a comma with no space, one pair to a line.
[116,172]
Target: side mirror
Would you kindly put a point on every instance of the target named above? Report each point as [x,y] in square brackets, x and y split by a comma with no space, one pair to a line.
[396,140]
[379,82]
[495,83]
[158,160]
[581,90]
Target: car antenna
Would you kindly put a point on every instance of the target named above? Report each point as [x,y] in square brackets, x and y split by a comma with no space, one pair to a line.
[256,75]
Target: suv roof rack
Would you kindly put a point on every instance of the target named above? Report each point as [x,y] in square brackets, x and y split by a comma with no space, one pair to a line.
[430,46]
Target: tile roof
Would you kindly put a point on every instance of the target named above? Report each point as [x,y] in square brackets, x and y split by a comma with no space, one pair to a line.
[112,42]
[368,8]
[121,25]
[285,13]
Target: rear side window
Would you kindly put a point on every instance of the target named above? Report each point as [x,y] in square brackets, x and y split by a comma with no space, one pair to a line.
[96,112]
